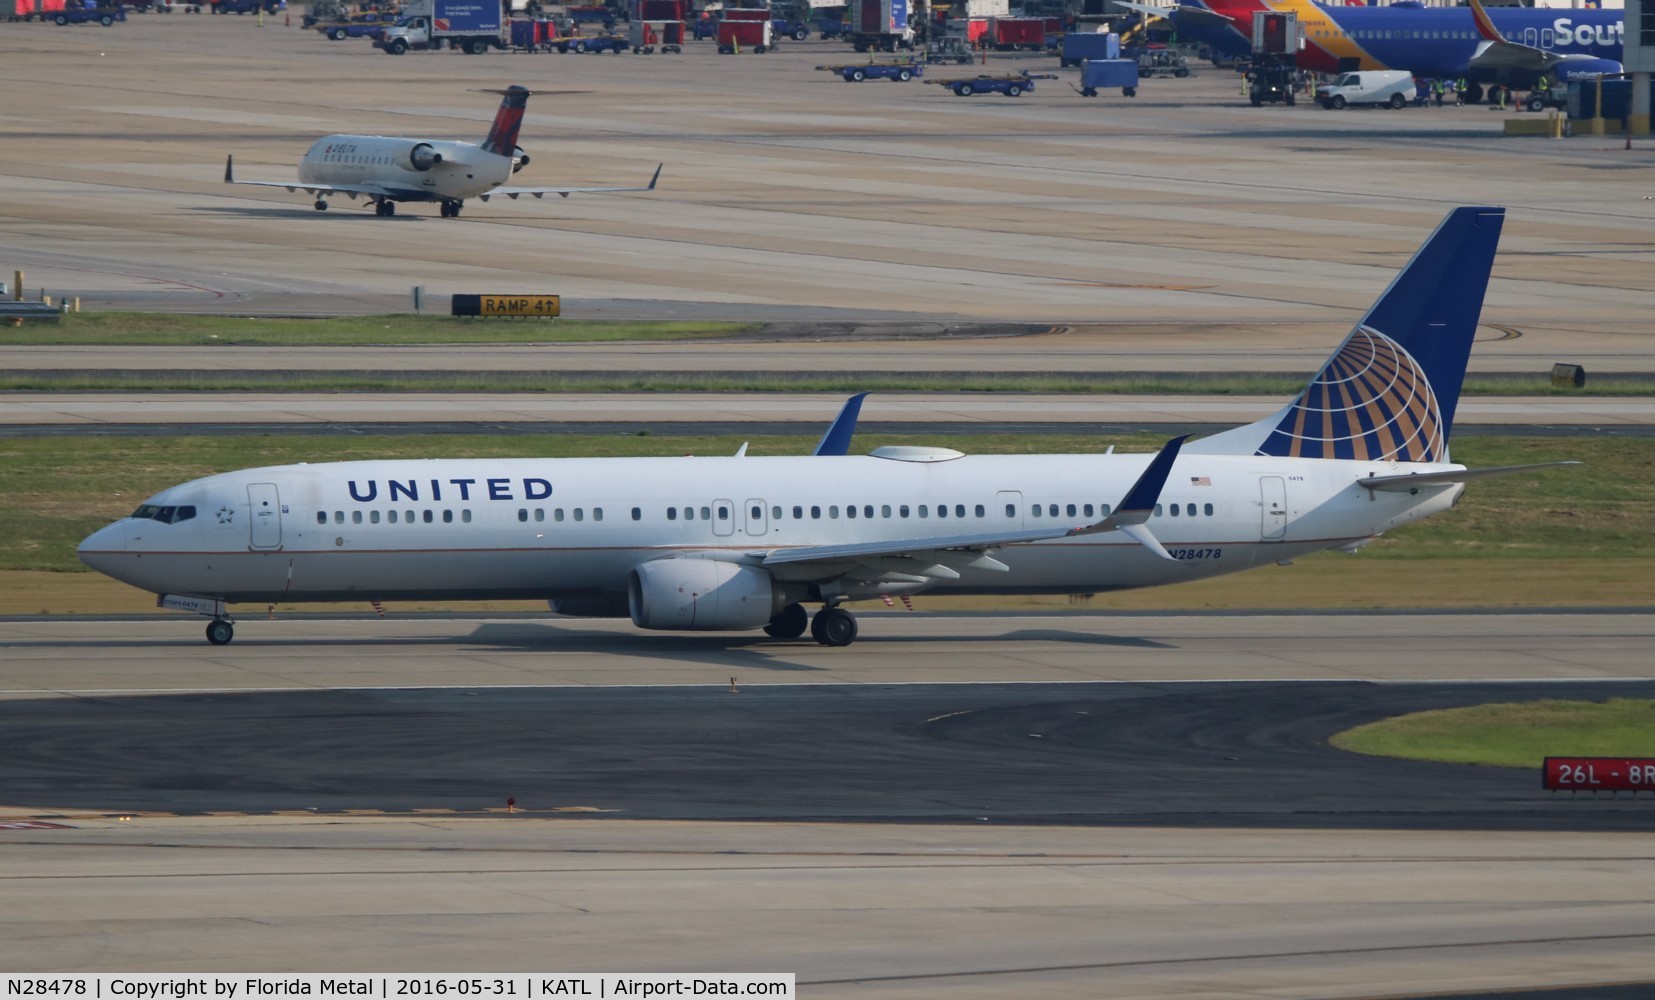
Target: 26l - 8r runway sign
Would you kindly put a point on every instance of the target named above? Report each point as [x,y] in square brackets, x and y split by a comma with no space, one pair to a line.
[1600,774]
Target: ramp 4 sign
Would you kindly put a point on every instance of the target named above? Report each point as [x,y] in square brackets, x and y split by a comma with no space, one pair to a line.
[1600,774]
[531,306]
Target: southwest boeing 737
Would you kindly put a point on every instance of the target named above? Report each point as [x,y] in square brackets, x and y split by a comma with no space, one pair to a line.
[386,170]
[1510,47]
[713,544]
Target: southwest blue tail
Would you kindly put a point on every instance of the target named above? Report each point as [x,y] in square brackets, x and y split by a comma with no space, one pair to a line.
[1389,392]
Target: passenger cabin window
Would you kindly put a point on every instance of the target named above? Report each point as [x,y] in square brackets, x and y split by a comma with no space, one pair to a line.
[356,517]
[465,515]
[448,517]
[321,517]
[672,513]
[637,513]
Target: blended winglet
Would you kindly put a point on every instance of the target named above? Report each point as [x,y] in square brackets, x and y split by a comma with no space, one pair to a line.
[1485,24]
[230,168]
[836,439]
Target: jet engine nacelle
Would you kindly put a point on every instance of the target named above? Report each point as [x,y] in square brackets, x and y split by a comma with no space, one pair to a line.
[701,595]
[1587,69]
[519,159]
[423,156]
[592,606]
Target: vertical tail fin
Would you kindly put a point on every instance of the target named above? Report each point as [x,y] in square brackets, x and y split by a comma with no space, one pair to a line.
[1389,392]
[502,135]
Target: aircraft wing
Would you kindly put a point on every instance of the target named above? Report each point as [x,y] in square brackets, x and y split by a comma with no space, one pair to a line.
[1187,14]
[941,556]
[371,190]
[1404,483]
[541,192]
[1498,54]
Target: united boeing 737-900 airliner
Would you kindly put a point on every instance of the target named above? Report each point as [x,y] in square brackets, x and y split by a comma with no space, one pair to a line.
[712,544]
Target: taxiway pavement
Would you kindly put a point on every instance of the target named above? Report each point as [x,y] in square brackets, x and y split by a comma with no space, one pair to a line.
[392,744]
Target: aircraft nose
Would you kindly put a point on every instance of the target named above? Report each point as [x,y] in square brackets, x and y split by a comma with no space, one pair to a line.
[102,549]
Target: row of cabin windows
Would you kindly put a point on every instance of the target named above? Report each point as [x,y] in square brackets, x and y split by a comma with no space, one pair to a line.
[866,511]
[341,158]
[394,517]
[1389,34]
[558,514]
[851,511]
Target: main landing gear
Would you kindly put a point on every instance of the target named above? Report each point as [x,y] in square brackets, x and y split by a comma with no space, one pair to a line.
[451,208]
[220,631]
[321,205]
[832,626]
[384,207]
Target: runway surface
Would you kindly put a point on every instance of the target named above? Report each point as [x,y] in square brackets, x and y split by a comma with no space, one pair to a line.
[732,413]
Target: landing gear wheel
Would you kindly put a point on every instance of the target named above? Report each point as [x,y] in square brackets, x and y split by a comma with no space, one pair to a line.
[386,208]
[451,209]
[789,623]
[220,631]
[834,627]
[320,206]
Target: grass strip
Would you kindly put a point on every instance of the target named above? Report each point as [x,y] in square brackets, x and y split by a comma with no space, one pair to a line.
[1515,734]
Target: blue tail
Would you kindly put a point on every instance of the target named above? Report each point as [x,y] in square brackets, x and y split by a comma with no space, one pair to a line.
[1389,392]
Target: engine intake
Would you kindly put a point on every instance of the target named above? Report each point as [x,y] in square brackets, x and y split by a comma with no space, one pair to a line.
[423,157]
[702,595]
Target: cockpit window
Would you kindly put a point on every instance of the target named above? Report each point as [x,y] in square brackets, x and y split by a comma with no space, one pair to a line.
[166,515]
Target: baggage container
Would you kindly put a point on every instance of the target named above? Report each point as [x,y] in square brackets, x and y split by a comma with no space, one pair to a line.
[751,36]
[1008,34]
[1100,74]
[1079,46]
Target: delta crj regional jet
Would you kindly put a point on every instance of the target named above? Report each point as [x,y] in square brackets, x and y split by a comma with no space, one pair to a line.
[712,544]
[386,170]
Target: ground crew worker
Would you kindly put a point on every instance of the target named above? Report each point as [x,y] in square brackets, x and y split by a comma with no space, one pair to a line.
[1459,91]
[1436,91]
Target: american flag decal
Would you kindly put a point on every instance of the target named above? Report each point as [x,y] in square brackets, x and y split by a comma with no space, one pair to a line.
[1201,481]
[1371,402]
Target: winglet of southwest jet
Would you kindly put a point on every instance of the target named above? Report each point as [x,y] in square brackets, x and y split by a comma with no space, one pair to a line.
[1485,24]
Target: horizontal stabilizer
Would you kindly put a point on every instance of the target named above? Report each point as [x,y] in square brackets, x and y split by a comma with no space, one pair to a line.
[1404,483]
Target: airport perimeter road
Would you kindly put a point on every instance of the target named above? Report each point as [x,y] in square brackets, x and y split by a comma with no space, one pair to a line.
[787,195]
[720,413]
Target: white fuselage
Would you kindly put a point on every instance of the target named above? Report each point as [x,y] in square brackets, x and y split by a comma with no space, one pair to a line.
[465,169]
[549,528]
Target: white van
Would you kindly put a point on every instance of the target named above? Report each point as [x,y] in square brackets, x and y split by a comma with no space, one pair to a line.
[1385,87]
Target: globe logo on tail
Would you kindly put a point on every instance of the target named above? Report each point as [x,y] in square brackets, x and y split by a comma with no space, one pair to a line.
[1370,402]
